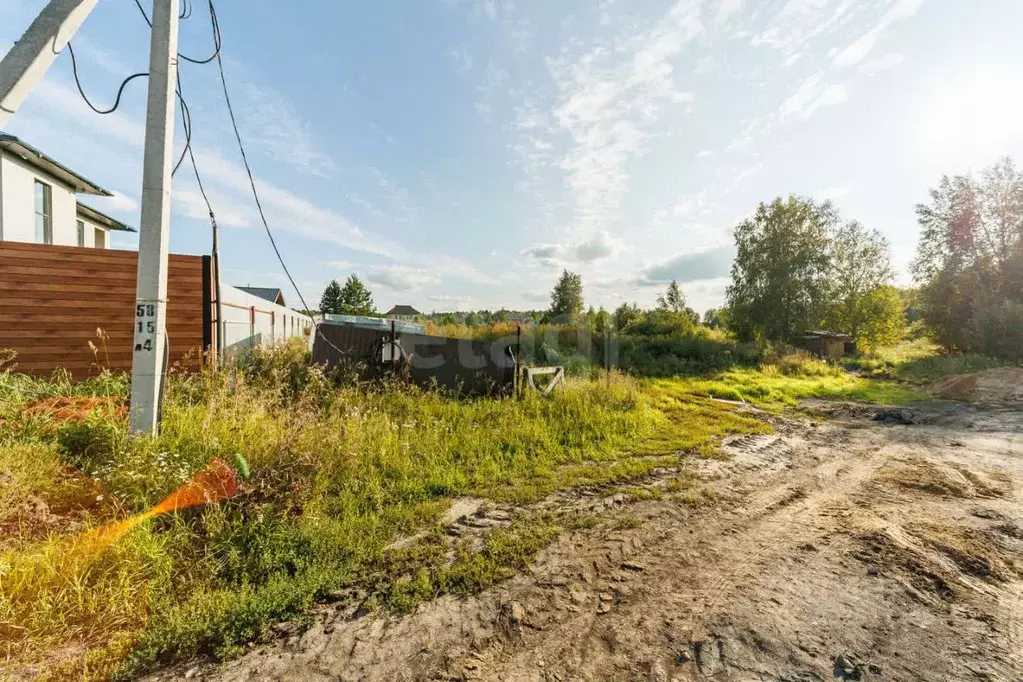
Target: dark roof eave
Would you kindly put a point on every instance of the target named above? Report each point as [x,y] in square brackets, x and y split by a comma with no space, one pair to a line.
[50,165]
[103,219]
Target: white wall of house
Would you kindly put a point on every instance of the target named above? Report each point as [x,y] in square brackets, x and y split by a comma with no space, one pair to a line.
[92,231]
[253,321]
[18,211]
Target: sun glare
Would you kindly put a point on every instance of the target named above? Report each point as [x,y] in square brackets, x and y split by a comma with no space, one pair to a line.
[972,114]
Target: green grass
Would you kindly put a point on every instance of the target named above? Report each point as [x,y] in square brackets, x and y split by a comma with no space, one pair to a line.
[787,381]
[920,361]
[337,473]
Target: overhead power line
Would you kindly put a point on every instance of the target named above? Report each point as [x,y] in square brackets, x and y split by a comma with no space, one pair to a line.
[213,23]
[120,90]
[248,170]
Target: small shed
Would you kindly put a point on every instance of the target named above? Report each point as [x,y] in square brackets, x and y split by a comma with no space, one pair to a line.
[827,345]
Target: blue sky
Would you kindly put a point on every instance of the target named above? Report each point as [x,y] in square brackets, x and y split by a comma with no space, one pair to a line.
[458,153]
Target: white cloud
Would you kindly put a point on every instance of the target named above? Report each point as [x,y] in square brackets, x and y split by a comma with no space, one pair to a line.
[704,154]
[597,246]
[397,196]
[800,21]
[119,203]
[862,46]
[712,263]
[683,207]
[191,204]
[65,101]
[281,133]
[461,57]
[792,59]
[547,254]
[402,277]
[607,98]
[811,95]
[889,61]
[725,9]
[833,193]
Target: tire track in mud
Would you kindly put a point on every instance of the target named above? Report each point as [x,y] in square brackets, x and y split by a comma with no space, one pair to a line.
[678,596]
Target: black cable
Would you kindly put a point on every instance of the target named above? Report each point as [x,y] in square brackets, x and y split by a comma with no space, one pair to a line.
[216,34]
[259,205]
[81,91]
[186,122]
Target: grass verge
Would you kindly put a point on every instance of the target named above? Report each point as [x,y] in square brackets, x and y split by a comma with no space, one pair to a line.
[782,383]
[337,473]
[920,362]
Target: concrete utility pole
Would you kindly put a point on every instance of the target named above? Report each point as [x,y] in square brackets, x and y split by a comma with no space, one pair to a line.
[147,365]
[29,58]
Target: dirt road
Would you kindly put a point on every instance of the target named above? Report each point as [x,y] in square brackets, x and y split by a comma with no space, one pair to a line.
[853,549]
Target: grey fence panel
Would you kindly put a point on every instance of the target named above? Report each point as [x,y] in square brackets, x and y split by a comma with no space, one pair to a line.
[461,365]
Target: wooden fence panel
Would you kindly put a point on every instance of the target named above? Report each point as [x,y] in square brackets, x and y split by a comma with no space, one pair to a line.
[55,300]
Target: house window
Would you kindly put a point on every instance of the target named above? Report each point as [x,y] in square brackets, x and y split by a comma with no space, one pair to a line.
[81,233]
[44,213]
[101,239]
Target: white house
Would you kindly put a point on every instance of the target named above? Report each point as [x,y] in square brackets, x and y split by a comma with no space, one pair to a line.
[39,200]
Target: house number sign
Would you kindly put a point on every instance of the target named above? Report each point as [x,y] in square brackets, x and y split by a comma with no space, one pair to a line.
[145,326]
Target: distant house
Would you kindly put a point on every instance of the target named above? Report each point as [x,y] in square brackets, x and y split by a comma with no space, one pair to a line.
[403,312]
[271,294]
[39,201]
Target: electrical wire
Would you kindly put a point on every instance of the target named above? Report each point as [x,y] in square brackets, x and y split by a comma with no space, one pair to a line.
[81,91]
[252,181]
[186,121]
[216,34]
[255,195]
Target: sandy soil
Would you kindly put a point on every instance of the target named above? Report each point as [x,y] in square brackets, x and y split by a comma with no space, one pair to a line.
[854,548]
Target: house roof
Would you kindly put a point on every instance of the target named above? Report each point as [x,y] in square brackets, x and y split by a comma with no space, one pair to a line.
[52,167]
[103,219]
[403,310]
[272,294]
[826,335]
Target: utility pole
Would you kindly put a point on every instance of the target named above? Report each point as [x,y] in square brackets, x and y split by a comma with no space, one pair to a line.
[147,365]
[27,61]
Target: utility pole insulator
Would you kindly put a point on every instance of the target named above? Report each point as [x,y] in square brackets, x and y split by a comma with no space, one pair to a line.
[148,364]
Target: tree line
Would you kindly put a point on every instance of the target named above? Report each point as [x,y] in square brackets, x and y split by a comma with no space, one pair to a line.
[801,266]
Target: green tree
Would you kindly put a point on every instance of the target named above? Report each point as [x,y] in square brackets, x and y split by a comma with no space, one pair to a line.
[355,298]
[330,302]
[860,266]
[883,316]
[969,262]
[626,313]
[673,300]
[710,318]
[567,298]
[780,284]
[603,322]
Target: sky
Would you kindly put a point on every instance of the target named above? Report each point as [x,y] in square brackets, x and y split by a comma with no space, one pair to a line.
[458,154]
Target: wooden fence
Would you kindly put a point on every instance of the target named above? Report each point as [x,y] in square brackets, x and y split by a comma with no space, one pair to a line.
[53,299]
